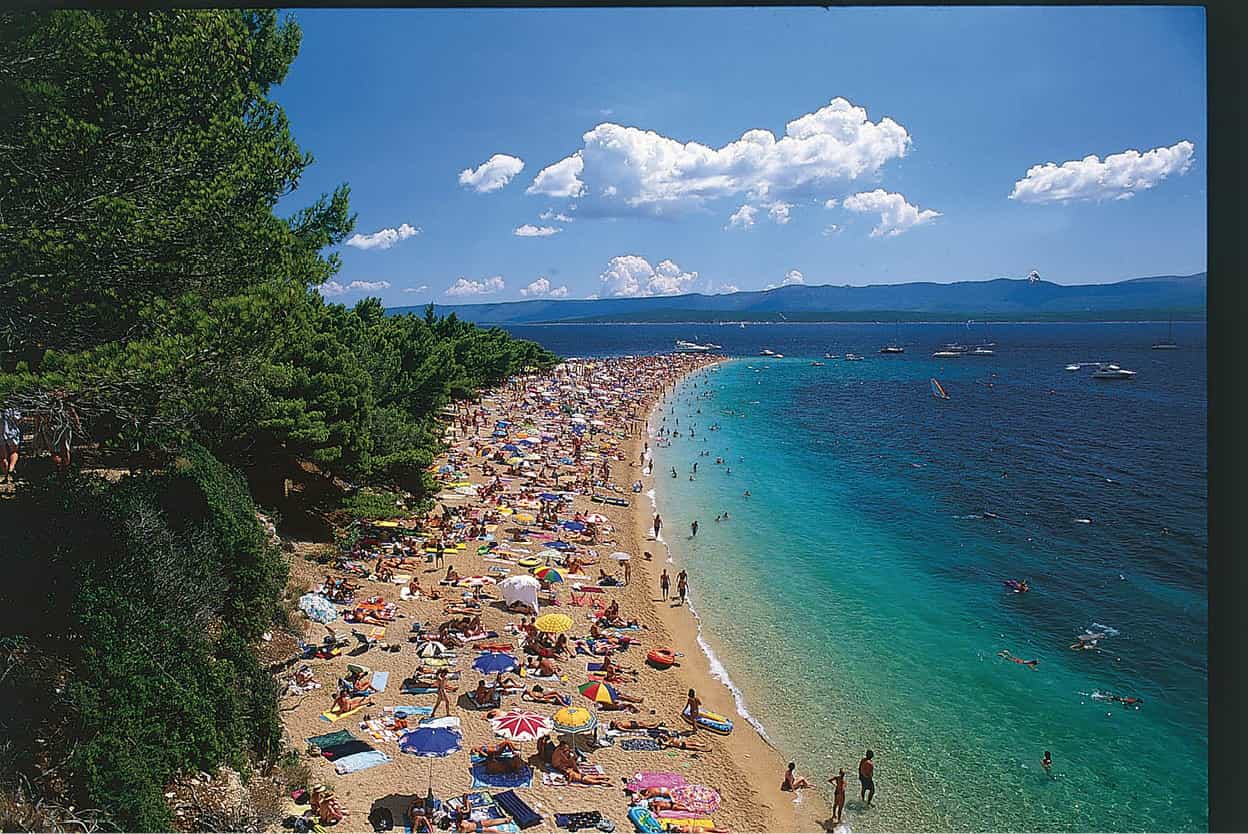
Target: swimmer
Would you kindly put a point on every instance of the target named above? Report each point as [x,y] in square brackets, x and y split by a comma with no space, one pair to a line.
[1047,763]
[746,494]
[1030,664]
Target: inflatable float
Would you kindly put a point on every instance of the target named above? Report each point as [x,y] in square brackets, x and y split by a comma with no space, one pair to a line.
[663,658]
[607,499]
[643,820]
[530,562]
[712,721]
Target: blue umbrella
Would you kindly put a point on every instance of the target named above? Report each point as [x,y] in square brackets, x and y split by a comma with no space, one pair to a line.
[550,496]
[574,525]
[562,546]
[511,447]
[500,433]
[430,742]
[491,663]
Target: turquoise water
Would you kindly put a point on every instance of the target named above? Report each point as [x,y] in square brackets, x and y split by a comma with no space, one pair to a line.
[856,597]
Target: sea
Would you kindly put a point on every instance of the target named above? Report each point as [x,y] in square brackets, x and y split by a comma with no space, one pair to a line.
[856,598]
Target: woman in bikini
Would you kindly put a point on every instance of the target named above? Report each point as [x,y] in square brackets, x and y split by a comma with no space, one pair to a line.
[537,694]
[564,761]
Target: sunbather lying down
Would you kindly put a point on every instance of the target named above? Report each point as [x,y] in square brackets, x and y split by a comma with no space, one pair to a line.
[544,696]
[636,724]
[503,757]
[343,702]
[563,759]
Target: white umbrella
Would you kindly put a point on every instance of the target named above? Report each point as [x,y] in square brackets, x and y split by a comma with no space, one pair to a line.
[620,556]
[520,588]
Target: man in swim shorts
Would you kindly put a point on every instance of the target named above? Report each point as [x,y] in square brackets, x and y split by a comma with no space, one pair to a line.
[866,777]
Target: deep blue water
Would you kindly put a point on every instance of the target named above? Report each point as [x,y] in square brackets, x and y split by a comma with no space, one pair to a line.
[856,598]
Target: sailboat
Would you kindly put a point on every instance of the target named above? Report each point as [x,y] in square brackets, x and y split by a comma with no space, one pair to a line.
[893,346]
[937,391]
[1169,343]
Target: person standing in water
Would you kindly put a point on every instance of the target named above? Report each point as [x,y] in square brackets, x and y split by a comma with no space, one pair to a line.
[694,527]
[838,805]
[658,524]
[1047,763]
[866,777]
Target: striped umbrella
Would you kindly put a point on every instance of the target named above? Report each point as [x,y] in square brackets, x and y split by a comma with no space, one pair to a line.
[431,648]
[521,725]
[548,574]
[553,623]
[574,720]
[602,693]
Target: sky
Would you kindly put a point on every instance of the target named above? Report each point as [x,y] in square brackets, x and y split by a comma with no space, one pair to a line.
[496,155]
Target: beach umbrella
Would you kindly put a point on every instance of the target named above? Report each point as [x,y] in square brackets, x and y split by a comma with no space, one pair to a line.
[574,721]
[499,433]
[548,574]
[620,556]
[510,447]
[520,588]
[561,545]
[596,518]
[553,623]
[491,663]
[602,693]
[514,459]
[521,725]
[697,798]
[475,581]
[526,518]
[548,554]
[576,526]
[430,742]
[431,648]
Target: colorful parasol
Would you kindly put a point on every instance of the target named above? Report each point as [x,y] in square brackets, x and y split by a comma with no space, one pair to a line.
[574,720]
[521,725]
[600,692]
[548,574]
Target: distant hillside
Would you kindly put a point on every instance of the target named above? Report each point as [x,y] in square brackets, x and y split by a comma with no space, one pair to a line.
[1182,296]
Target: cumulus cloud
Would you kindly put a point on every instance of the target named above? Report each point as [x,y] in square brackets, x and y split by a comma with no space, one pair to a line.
[335,288]
[896,215]
[779,212]
[726,289]
[421,288]
[830,204]
[1119,177]
[551,214]
[529,230]
[542,287]
[632,275]
[492,174]
[465,287]
[742,218]
[793,276]
[383,239]
[831,229]
[629,171]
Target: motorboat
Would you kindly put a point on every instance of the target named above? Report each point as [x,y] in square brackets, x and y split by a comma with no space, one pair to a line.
[1073,366]
[683,346]
[831,356]
[816,364]
[771,354]
[892,349]
[950,352]
[1112,371]
[853,357]
[982,350]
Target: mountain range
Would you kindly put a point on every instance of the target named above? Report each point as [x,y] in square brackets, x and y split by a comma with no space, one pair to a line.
[1157,297]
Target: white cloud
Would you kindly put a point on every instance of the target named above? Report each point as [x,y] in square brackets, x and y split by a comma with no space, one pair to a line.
[830,204]
[551,214]
[560,179]
[1119,177]
[726,289]
[629,171]
[529,230]
[542,287]
[742,218]
[492,174]
[791,277]
[896,215]
[421,288]
[831,229]
[383,239]
[632,275]
[335,288]
[779,212]
[463,287]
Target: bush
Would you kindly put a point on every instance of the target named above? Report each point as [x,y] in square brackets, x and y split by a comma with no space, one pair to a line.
[375,505]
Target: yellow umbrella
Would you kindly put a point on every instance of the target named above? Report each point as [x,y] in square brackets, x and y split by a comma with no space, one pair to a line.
[525,517]
[553,623]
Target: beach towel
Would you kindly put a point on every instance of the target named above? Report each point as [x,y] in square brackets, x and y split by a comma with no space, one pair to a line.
[360,761]
[380,679]
[517,809]
[347,748]
[634,744]
[418,690]
[578,819]
[701,822]
[482,779]
[331,739]
[332,717]
[558,780]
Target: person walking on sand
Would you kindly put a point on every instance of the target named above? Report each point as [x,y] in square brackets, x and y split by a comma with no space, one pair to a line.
[658,524]
[664,583]
[628,573]
[866,776]
[443,698]
[838,804]
[682,585]
[694,705]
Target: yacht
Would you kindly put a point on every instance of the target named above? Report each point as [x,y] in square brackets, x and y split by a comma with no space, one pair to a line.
[1112,371]
[816,364]
[951,351]
[768,352]
[853,357]
[831,356]
[981,350]
[683,346]
[1073,366]
[894,346]
[1168,343]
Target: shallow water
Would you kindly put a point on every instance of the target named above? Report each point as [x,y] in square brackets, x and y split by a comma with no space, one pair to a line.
[856,597]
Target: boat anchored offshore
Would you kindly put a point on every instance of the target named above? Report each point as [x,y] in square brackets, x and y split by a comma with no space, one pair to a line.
[683,346]
[768,352]
[1167,343]
[1112,371]
[894,346]
[853,357]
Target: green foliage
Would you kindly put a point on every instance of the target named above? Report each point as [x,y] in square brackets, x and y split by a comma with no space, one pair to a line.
[156,595]
[374,505]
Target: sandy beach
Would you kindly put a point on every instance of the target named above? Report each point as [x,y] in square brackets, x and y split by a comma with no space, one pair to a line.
[741,766]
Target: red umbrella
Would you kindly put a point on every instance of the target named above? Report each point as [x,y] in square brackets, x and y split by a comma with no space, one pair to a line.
[521,725]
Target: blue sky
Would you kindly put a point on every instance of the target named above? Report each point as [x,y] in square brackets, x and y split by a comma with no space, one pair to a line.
[959,105]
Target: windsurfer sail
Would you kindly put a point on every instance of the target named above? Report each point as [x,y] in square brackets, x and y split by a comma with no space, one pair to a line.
[937,391]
